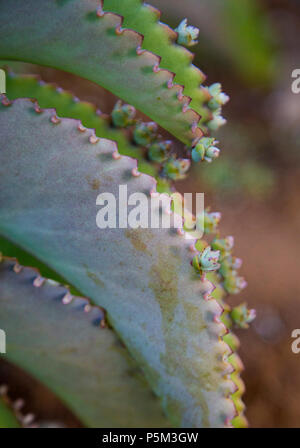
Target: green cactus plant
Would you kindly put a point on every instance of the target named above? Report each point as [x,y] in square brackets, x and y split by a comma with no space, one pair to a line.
[152,345]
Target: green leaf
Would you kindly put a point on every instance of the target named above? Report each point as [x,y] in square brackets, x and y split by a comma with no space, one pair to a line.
[12,250]
[7,416]
[100,51]
[64,346]
[50,178]
[51,96]
[160,39]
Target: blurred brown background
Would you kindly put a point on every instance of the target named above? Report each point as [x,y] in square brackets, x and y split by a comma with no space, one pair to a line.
[251,47]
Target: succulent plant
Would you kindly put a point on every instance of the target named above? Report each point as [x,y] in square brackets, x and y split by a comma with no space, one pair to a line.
[207,260]
[123,115]
[116,322]
[211,221]
[206,150]
[187,34]
[242,316]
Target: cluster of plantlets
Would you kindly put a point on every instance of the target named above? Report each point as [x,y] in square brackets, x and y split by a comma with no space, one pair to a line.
[217,256]
[155,319]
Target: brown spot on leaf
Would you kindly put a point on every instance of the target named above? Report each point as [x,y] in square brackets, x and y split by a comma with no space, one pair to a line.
[94,183]
[95,278]
[139,239]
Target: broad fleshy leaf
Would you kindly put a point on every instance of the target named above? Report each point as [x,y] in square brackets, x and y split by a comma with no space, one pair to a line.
[51,175]
[66,105]
[60,341]
[160,39]
[100,50]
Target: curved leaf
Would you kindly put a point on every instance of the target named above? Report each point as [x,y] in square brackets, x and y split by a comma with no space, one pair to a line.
[50,178]
[101,51]
[160,39]
[51,96]
[64,346]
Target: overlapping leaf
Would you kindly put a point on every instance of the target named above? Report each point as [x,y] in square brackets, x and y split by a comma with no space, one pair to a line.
[71,36]
[60,341]
[160,39]
[50,177]
[66,105]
